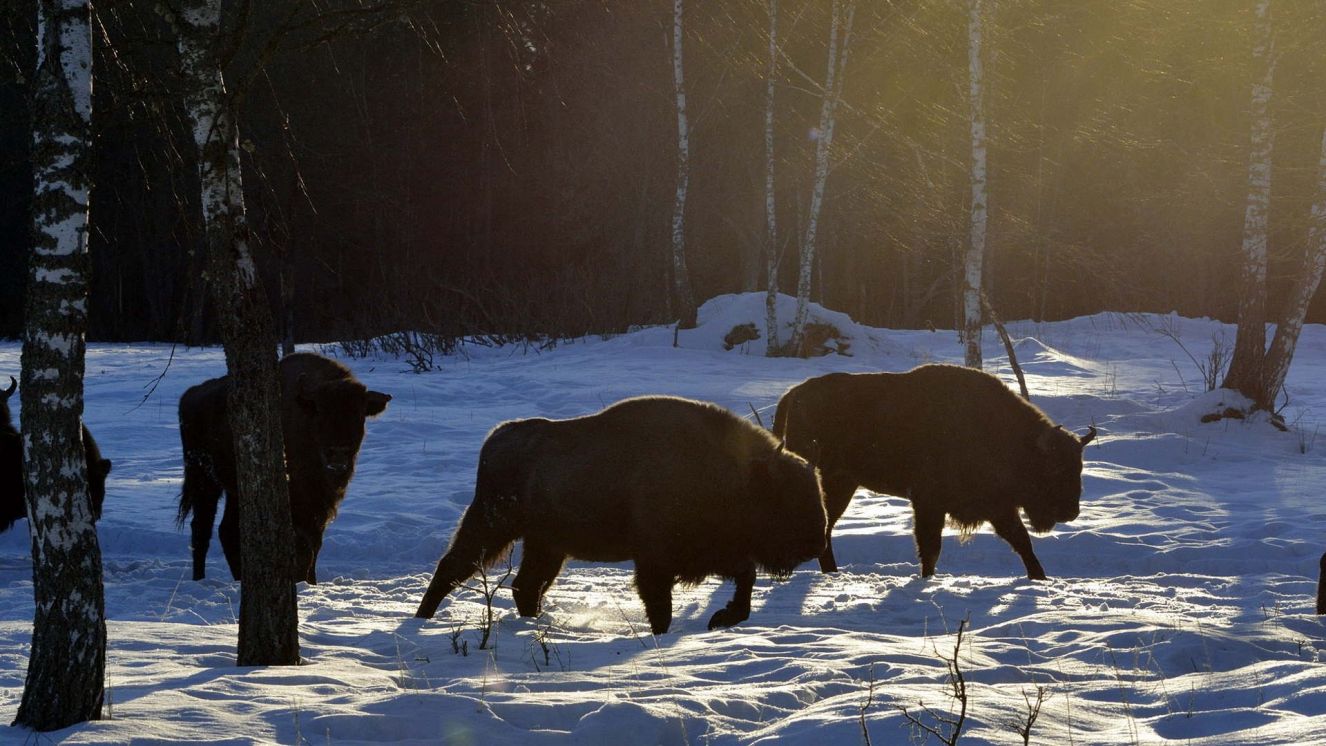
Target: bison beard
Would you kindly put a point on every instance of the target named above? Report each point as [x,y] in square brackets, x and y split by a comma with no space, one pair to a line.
[12,487]
[322,419]
[954,441]
[681,488]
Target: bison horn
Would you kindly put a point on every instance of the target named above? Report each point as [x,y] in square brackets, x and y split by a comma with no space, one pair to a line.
[1090,436]
[13,384]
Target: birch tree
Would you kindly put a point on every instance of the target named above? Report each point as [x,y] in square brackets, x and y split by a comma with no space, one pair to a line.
[681,281]
[1255,371]
[1276,366]
[66,666]
[974,264]
[770,212]
[1245,368]
[840,36]
[268,618]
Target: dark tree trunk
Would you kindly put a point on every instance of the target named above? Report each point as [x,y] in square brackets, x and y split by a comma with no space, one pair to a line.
[66,667]
[268,618]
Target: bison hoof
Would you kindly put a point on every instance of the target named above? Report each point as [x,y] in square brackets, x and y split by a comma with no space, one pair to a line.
[1037,576]
[726,617]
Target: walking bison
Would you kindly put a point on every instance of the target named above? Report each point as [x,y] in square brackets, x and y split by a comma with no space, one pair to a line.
[682,488]
[12,485]
[954,441]
[322,419]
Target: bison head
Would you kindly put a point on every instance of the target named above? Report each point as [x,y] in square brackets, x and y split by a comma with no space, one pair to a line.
[336,411]
[792,527]
[1057,489]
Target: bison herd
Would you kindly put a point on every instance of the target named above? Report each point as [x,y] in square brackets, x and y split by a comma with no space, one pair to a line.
[682,489]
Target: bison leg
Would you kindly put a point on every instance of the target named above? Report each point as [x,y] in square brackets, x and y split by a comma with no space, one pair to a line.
[228,533]
[1009,528]
[200,494]
[538,567]
[838,491]
[478,544]
[655,589]
[1321,587]
[929,532]
[738,609]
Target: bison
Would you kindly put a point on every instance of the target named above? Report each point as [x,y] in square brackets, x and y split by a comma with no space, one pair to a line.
[681,488]
[322,418]
[12,485]
[954,441]
[1321,586]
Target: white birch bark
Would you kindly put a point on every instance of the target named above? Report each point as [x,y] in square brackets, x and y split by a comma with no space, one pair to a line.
[268,620]
[974,264]
[1245,368]
[841,24]
[681,282]
[66,664]
[770,211]
[1300,296]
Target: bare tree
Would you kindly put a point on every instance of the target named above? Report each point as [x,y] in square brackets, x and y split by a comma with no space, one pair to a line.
[770,212]
[66,667]
[1245,369]
[1255,371]
[840,37]
[268,622]
[974,273]
[1306,282]
[681,281]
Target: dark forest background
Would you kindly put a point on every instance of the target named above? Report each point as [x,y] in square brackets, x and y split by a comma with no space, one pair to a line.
[509,168]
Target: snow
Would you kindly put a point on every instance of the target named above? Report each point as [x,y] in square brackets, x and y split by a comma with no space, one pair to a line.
[1179,606]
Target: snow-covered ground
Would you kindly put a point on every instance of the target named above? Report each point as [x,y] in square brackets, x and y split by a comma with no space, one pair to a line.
[1179,606]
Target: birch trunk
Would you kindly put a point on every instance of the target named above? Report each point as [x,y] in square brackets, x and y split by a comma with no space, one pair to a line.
[1276,367]
[833,77]
[1245,369]
[681,282]
[770,212]
[268,617]
[973,267]
[66,666]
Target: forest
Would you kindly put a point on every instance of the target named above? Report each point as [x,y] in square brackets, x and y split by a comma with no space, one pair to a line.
[509,168]
[699,288]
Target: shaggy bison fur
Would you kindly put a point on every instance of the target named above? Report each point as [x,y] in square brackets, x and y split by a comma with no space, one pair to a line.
[322,419]
[12,485]
[954,441]
[682,488]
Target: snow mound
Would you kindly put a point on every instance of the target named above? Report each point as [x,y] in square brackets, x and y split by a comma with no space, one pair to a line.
[746,312]
[1194,413]
[1036,356]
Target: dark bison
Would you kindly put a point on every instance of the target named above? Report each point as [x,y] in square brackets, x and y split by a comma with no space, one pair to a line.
[1321,586]
[954,441]
[12,487]
[323,413]
[682,488]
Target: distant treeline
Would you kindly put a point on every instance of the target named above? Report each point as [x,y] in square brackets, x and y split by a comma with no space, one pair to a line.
[510,168]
